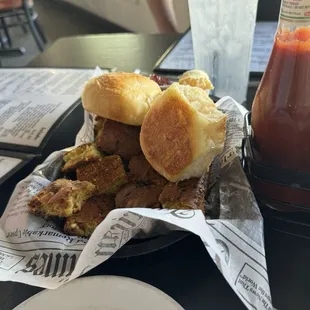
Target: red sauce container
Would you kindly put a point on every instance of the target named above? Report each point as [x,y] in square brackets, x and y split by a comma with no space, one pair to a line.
[281,108]
[278,188]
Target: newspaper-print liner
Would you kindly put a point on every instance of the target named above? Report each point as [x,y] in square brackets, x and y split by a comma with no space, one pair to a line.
[36,252]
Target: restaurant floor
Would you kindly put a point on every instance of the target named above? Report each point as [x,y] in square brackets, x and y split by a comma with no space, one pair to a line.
[58,19]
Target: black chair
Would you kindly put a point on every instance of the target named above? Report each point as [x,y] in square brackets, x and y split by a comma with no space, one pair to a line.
[11,52]
[21,17]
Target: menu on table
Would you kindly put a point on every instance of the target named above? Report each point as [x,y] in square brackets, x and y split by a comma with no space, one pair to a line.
[11,162]
[181,56]
[7,164]
[32,103]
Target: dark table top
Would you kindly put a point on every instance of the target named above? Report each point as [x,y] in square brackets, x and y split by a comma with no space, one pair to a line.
[126,52]
[183,270]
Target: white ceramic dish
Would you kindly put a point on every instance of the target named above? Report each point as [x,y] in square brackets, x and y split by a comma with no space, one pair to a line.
[104,293]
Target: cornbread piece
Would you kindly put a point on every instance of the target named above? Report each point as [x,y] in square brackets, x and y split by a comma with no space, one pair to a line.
[61,198]
[106,173]
[141,171]
[187,194]
[93,212]
[136,196]
[79,156]
[120,139]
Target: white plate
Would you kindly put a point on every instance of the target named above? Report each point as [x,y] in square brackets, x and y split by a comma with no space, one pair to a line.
[104,293]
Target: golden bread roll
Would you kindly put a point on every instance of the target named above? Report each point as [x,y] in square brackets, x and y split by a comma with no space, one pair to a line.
[120,96]
[182,133]
[196,78]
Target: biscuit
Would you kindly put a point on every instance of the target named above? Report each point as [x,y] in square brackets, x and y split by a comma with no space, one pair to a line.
[182,133]
[120,96]
[196,78]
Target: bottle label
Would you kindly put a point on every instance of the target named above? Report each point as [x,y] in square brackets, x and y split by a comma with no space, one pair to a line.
[295,10]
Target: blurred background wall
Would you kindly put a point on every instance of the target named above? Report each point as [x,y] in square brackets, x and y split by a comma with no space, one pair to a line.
[135,15]
[61,18]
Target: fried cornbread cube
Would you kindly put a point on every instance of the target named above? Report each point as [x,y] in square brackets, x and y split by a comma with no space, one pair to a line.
[107,173]
[93,212]
[118,138]
[187,194]
[61,198]
[141,171]
[138,196]
[79,156]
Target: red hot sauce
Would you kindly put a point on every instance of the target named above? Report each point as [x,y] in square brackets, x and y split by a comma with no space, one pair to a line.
[281,108]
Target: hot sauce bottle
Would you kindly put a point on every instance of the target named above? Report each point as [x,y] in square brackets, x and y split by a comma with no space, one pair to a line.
[281,108]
